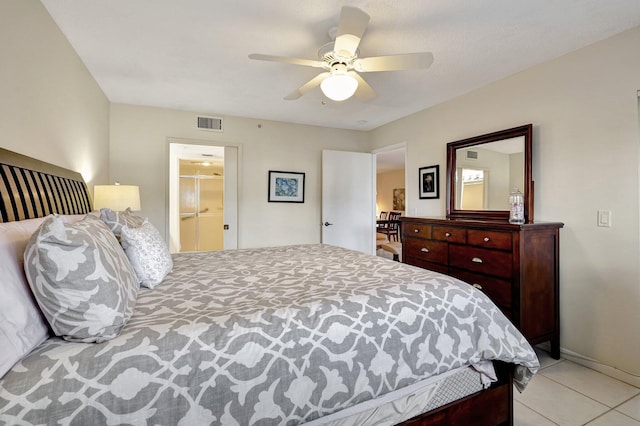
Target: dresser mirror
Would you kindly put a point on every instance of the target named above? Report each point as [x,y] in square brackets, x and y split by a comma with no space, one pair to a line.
[483,170]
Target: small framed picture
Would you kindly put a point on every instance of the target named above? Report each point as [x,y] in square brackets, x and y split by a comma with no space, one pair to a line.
[398,199]
[429,182]
[286,187]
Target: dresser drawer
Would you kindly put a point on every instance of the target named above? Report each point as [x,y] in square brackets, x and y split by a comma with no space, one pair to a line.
[498,290]
[485,261]
[490,239]
[417,230]
[438,267]
[426,250]
[449,234]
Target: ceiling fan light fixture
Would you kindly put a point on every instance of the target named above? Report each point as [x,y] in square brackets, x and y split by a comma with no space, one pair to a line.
[339,87]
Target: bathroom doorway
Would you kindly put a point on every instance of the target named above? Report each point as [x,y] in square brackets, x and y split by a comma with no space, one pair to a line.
[203,197]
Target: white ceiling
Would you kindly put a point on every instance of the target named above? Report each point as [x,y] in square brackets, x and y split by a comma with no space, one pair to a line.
[192,54]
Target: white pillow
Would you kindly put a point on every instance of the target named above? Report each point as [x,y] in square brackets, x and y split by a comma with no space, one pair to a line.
[147,253]
[81,279]
[22,326]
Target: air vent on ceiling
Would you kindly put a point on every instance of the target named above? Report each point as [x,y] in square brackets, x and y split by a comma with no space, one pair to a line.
[472,155]
[213,124]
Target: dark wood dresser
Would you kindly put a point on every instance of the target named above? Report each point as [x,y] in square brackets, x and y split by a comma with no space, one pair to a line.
[517,266]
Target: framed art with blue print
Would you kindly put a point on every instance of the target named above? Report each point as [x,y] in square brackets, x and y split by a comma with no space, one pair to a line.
[286,187]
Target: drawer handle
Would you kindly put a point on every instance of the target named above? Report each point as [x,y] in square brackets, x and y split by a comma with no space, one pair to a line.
[487,239]
[416,230]
[447,234]
[424,250]
[476,260]
[478,286]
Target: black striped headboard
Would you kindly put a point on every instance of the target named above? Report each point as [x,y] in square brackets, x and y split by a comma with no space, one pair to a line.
[31,188]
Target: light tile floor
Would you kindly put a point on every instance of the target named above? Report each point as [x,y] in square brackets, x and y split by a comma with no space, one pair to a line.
[565,393]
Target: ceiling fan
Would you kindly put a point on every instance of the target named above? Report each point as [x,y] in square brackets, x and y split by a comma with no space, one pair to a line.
[341,62]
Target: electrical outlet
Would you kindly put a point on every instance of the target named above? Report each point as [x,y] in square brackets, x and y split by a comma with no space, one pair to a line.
[604,218]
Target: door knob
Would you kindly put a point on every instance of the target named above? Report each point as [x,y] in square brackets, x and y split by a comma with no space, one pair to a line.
[328,224]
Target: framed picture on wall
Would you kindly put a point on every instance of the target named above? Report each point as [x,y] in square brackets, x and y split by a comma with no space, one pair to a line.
[429,182]
[286,187]
[398,199]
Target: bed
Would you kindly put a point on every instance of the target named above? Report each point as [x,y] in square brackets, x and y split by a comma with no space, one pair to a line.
[289,335]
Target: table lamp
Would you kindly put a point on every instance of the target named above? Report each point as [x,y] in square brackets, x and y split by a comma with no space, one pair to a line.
[116,197]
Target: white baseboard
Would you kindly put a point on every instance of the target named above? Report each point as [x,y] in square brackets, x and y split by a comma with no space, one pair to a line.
[623,376]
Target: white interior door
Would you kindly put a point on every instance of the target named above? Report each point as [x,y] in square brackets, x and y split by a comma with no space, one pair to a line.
[348,200]
[230,197]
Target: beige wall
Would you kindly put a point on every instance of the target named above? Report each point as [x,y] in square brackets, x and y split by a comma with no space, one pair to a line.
[584,109]
[50,106]
[385,184]
[139,156]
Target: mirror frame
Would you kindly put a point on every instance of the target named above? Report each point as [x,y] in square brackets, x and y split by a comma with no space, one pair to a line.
[452,212]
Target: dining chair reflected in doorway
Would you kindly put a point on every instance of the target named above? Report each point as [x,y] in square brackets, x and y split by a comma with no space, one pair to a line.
[393,231]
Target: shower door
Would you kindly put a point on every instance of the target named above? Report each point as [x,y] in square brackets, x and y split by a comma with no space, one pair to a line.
[201,211]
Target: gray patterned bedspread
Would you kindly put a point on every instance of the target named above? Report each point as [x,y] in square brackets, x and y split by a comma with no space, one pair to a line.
[265,336]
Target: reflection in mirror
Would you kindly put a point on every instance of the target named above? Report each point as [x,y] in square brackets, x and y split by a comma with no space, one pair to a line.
[486,174]
[472,188]
[482,171]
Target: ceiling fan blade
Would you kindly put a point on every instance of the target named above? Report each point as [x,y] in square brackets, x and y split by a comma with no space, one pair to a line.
[353,23]
[311,84]
[294,61]
[364,92]
[408,61]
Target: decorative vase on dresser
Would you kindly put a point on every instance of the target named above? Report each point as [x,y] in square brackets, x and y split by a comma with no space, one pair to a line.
[517,266]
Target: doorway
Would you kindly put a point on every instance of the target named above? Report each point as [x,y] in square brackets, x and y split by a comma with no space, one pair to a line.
[391,184]
[202,196]
[391,179]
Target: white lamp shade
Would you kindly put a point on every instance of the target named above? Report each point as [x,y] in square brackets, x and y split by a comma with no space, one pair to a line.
[116,197]
[339,87]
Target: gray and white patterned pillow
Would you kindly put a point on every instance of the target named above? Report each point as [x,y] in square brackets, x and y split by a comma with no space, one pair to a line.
[147,253]
[81,279]
[116,220]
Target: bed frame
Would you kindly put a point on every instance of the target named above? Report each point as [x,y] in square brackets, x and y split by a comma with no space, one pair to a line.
[493,406]
[31,188]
